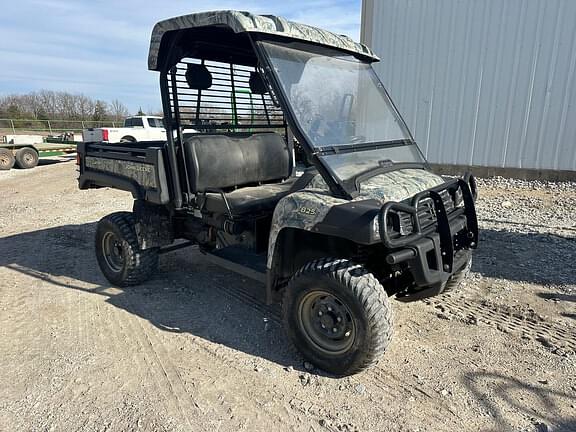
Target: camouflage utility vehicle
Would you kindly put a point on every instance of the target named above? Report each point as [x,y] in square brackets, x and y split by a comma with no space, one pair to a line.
[360,219]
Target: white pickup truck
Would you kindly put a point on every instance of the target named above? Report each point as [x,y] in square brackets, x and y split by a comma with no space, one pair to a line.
[138,128]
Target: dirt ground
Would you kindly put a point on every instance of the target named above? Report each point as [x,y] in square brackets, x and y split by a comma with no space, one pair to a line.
[197,349]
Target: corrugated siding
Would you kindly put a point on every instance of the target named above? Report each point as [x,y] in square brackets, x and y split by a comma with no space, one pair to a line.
[481,82]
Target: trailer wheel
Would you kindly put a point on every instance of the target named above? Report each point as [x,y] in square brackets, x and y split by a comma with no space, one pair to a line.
[26,158]
[6,159]
[338,315]
[119,255]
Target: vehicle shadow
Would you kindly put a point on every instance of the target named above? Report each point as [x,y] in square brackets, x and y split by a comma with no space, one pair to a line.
[53,160]
[188,295]
[501,395]
[191,295]
[540,258]
[559,297]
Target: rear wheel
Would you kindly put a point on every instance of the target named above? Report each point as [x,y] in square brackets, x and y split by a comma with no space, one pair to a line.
[128,139]
[26,158]
[6,159]
[338,315]
[119,256]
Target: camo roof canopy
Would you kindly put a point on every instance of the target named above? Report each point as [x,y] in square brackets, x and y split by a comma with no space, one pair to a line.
[240,22]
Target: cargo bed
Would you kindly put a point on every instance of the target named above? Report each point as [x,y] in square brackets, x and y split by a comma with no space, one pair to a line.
[134,167]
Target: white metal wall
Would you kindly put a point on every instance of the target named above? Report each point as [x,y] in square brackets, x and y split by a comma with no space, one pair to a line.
[481,82]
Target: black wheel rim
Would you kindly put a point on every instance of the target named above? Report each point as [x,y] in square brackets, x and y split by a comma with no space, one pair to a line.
[113,250]
[326,322]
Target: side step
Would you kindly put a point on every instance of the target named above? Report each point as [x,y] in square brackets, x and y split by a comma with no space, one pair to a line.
[241,261]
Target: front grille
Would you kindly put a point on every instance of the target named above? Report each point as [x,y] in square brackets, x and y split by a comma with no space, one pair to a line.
[447,200]
[426,214]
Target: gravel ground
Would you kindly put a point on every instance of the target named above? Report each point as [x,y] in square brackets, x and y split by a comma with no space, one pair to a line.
[196,348]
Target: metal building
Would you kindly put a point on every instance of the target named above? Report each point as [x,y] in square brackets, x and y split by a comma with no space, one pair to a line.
[487,83]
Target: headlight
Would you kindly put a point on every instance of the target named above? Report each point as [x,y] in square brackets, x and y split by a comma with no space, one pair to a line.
[399,223]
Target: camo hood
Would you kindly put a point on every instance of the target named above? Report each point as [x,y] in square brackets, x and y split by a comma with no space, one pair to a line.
[393,186]
[308,207]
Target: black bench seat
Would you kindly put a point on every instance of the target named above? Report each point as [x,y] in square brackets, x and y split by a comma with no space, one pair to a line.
[255,199]
[235,165]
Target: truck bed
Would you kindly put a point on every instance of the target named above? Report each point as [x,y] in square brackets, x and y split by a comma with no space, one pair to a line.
[134,167]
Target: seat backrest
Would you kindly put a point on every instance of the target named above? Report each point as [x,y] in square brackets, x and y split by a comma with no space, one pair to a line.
[222,162]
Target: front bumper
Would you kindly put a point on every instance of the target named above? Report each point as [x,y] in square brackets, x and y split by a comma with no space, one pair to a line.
[434,252]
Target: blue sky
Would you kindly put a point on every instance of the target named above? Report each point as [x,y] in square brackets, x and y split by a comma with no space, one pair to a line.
[99,48]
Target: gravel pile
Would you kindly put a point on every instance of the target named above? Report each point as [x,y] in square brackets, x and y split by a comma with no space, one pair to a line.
[508,183]
[528,232]
[528,206]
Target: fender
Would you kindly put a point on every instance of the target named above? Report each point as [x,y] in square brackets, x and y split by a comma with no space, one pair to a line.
[309,208]
[302,210]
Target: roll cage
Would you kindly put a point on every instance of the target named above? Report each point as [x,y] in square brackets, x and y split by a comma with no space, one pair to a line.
[242,93]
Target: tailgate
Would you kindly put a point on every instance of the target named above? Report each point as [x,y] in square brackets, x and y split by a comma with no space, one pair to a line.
[137,170]
[92,135]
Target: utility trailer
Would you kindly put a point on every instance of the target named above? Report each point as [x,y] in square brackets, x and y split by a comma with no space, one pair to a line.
[365,221]
[25,155]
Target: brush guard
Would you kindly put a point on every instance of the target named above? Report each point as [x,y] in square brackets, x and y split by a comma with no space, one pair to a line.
[435,251]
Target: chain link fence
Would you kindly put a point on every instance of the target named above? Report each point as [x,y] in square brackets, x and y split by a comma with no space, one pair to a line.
[53,126]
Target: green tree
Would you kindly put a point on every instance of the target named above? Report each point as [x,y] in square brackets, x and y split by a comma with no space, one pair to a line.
[100,111]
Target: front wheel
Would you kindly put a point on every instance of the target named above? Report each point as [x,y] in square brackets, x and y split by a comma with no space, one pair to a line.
[338,315]
[119,256]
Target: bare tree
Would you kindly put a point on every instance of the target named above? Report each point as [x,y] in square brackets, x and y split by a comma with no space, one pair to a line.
[58,105]
[47,101]
[67,105]
[118,110]
[84,106]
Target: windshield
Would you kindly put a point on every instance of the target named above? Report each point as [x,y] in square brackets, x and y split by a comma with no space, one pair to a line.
[341,105]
